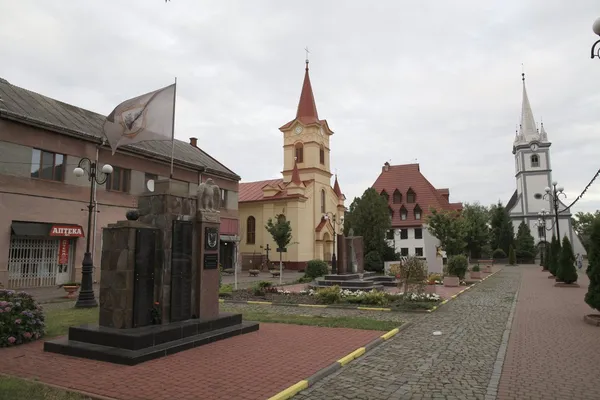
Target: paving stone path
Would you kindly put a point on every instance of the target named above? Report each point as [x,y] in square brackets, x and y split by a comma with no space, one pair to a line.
[459,364]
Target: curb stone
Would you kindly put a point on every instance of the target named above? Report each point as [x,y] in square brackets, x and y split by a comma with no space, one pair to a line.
[92,396]
[461,292]
[334,367]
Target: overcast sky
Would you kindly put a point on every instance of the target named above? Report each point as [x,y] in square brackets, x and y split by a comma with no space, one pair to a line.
[399,81]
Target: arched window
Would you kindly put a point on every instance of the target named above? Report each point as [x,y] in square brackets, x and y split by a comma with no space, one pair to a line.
[322,155]
[411,196]
[535,160]
[418,212]
[403,213]
[385,196]
[250,230]
[299,148]
[397,199]
[322,201]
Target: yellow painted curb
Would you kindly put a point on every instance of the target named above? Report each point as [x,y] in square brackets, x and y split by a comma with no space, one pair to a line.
[390,334]
[373,309]
[355,354]
[259,302]
[291,391]
[313,305]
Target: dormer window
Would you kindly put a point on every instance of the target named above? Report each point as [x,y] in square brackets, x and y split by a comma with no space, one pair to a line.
[385,196]
[397,198]
[411,196]
[417,212]
[403,213]
[535,160]
[391,212]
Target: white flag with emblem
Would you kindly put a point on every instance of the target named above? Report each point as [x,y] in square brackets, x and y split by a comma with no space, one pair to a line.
[144,118]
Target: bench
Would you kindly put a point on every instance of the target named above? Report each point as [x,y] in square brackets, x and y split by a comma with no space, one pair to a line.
[491,262]
[488,265]
[253,272]
[228,271]
[274,273]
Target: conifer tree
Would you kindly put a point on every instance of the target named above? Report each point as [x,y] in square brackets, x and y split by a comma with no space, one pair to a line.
[512,260]
[566,271]
[525,243]
[546,256]
[592,297]
[554,255]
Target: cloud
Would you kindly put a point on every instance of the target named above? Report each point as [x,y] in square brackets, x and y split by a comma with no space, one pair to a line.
[436,82]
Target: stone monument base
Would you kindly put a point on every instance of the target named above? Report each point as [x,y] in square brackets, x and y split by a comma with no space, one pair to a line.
[137,345]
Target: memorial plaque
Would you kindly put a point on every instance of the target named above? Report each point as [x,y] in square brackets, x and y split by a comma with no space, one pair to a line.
[143,286]
[211,261]
[181,271]
[211,238]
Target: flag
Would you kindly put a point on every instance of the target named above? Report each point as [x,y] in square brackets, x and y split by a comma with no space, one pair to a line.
[144,118]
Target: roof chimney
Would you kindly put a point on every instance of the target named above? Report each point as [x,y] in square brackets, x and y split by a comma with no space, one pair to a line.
[194,142]
[386,166]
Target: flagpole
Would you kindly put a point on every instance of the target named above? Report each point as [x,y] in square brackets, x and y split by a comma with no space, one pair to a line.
[173,128]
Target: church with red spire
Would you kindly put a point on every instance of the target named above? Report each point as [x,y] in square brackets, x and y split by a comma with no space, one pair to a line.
[304,195]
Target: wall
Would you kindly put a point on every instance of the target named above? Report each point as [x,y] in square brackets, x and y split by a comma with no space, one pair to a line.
[409,243]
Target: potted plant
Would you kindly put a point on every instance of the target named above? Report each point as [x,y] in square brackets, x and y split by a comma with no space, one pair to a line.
[475,272]
[457,268]
[71,288]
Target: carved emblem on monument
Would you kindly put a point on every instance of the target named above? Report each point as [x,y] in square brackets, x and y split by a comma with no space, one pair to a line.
[212,236]
[208,196]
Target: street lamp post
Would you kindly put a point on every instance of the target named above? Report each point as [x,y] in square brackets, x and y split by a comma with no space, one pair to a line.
[554,194]
[596,46]
[86,298]
[542,234]
[329,216]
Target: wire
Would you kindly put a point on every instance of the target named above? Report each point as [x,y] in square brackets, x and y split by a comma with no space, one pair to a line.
[582,193]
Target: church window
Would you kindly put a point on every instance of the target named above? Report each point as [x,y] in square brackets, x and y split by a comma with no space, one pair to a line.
[299,152]
[535,160]
[418,212]
[411,196]
[322,155]
[403,213]
[385,196]
[397,199]
[250,230]
[323,201]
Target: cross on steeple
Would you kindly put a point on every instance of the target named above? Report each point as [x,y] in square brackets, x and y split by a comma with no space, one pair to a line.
[306,50]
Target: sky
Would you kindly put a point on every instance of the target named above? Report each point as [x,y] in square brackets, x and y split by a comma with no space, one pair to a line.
[401,81]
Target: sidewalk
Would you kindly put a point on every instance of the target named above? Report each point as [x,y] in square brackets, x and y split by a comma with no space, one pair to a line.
[552,353]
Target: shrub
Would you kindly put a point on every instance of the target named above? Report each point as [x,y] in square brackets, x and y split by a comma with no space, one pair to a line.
[476,268]
[316,269]
[512,260]
[305,279]
[372,298]
[546,255]
[592,297]
[263,287]
[412,271]
[498,254]
[554,255]
[373,261]
[566,271]
[329,295]
[21,318]
[395,269]
[457,266]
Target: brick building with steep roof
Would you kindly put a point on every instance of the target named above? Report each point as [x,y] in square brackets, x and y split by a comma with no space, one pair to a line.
[411,197]
[304,195]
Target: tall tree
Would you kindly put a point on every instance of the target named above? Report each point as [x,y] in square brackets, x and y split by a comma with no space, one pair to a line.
[525,245]
[592,297]
[450,229]
[281,231]
[583,223]
[554,255]
[502,233]
[369,217]
[477,231]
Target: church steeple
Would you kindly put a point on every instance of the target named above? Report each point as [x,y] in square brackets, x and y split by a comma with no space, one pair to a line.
[527,129]
[307,109]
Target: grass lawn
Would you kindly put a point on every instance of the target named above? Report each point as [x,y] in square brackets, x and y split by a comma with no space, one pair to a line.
[59,320]
[16,389]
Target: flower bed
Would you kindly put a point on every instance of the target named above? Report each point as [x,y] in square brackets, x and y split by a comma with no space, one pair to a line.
[21,318]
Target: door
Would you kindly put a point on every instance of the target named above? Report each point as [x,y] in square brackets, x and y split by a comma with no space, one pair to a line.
[63,260]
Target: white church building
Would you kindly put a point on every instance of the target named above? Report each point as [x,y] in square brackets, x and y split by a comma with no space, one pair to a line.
[533,172]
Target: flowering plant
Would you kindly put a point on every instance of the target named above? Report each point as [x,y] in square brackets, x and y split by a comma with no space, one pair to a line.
[21,318]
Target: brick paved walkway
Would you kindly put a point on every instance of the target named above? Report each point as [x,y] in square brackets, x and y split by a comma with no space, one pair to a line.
[249,367]
[417,365]
[552,353]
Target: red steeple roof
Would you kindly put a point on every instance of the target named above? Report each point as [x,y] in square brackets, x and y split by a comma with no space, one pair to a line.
[296,174]
[307,109]
[336,188]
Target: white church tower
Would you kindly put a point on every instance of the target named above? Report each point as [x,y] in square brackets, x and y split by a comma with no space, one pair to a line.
[533,172]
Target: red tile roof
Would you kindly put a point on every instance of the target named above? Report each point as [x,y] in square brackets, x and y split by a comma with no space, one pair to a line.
[403,178]
[253,191]
[296,174]
[336,189]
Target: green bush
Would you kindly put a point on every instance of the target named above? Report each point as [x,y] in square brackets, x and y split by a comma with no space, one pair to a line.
[566,272]
[512,260]
[554,255]
[547,255]
[305,279]
[373,262]
[592,297]
[329,295]
[374,298]
[498,254]
[458,266]
[21,318]
[316,269]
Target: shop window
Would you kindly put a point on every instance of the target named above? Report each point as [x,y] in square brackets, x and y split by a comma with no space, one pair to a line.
[118,181]
[47,165]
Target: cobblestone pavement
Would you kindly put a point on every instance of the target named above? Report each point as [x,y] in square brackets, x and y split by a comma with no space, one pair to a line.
[552,353]
[417,365]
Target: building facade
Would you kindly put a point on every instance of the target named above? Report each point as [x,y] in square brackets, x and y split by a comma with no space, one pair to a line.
[43,205]
[533,173]
[303,196]
[411,197]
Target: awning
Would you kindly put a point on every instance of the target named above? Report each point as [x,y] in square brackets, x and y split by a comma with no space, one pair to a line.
[44,229]
[229,238]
